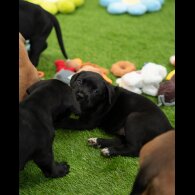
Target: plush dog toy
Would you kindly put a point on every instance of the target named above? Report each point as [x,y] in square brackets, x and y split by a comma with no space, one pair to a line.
[146,80]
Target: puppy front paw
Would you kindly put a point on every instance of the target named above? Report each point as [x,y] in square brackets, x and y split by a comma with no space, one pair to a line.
[93,142]
[59,170]
[105,152]
[62,169]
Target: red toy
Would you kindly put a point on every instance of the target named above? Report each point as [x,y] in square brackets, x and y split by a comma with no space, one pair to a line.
[61,64]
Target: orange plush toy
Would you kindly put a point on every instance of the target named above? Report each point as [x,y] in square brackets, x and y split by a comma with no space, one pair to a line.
[74,63]
[79,66]
[93,69]
[103,70]
[120,68]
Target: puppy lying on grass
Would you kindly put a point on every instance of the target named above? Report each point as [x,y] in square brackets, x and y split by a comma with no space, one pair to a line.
[48,100]
[133,118]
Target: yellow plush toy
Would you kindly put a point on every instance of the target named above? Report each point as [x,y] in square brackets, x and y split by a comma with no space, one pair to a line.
[169,76]
[56,6]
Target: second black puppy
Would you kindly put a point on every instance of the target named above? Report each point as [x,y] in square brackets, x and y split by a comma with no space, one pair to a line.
[35,24]
[132,117]
[47,101]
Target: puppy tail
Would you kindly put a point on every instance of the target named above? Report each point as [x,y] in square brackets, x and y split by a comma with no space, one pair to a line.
[140,183]
[59,35]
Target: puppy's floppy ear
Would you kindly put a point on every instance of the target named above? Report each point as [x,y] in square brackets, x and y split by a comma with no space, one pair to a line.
[35,86]
[76,109]
[73,78]
[111,92]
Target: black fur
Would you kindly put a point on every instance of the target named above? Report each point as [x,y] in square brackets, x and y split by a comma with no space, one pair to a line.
[35,24]
[47,101]
[132,117]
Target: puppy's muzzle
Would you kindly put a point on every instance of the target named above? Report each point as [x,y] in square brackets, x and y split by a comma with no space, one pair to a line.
[80,96]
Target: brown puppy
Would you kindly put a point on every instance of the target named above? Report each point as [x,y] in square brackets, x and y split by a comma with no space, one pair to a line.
[27,72]
[157,161]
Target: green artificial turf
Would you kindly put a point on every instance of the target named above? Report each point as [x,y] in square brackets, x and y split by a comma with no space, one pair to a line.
[92,34]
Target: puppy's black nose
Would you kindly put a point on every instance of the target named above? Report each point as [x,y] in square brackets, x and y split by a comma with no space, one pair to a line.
[80,96]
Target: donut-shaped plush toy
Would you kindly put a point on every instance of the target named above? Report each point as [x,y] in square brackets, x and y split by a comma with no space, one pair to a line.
[122,67]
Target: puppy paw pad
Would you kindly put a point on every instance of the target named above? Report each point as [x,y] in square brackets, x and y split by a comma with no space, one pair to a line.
[105,152]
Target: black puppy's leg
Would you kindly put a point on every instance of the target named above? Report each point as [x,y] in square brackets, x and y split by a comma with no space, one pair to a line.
[75,124]
[137,131]
[36,48]
[45,162]
[132,143]
[113,147]
[102,143]
[123,150]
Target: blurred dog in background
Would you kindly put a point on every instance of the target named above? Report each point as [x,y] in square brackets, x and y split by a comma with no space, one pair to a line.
[27,72]
[35,24]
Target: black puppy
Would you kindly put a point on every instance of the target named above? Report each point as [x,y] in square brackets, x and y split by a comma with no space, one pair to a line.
[134,118]
[35,24]
[47,101]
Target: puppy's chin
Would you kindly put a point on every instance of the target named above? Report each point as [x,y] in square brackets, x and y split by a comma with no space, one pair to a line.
[86,106]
